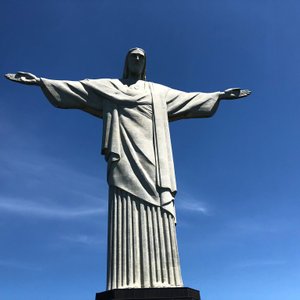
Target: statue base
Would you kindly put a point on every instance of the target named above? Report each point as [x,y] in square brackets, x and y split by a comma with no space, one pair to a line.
[150,294]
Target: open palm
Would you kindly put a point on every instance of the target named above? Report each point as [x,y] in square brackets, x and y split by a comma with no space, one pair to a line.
[23,77]
[235,93]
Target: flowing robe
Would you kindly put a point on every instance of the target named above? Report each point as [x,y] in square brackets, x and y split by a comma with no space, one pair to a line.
[142,244]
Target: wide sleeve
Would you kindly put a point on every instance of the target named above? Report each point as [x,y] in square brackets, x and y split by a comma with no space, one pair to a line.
[73,94]
[182,105]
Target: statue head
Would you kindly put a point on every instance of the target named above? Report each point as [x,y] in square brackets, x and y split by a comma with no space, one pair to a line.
[135,64]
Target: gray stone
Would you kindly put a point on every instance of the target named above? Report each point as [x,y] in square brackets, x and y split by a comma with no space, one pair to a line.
[142,243]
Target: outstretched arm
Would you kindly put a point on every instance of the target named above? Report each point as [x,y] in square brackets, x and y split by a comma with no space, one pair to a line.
[24,78]
[182,105]
[62,93]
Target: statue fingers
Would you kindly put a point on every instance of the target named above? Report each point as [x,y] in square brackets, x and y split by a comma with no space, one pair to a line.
[230,90]
[22,77]
[13,77]
[244,93]
[22,74]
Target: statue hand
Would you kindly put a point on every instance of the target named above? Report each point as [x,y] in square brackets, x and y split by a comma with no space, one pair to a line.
[24,78]
[234,93]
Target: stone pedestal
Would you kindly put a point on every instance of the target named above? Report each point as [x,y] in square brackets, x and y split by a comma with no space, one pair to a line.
[150,294]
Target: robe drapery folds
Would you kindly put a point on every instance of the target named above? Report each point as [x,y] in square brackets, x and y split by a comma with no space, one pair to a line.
[136,144]
[142,244]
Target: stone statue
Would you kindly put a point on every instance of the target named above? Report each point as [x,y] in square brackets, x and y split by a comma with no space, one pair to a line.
[142,244]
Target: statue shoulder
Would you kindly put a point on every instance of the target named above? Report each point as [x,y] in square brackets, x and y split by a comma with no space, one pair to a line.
[98,80]
[158,87]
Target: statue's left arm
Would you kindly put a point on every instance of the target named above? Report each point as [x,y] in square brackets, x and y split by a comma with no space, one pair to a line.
[182,105]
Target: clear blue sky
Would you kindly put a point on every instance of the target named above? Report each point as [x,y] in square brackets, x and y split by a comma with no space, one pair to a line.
[237,173]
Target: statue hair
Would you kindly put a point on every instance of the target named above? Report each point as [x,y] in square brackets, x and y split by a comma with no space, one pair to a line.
[126,72]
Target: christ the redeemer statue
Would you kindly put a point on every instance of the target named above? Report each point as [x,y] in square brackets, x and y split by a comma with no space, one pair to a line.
[142,244]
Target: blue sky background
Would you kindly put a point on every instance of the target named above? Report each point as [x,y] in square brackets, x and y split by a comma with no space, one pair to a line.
[237,173]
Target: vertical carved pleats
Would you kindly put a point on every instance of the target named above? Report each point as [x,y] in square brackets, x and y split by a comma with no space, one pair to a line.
[142,245]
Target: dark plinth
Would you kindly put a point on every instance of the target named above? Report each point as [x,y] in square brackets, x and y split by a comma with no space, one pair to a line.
[151,293]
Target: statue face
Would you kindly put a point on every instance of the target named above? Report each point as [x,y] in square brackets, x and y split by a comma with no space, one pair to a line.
[136,63]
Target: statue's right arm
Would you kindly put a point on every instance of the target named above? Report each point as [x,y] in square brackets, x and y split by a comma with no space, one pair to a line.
[64,93]
[24,78]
